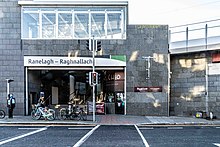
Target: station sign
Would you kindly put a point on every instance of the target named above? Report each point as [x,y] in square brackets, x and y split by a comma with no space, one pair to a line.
[54,61]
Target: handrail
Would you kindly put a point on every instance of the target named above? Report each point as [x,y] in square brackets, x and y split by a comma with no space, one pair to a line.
[195,23]
[194,38]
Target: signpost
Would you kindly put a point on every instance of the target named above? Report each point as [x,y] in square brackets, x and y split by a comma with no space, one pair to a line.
[93,45]
[8,85]
[211,69]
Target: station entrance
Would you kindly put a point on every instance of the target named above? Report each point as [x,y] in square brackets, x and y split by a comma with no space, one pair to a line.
[62,84]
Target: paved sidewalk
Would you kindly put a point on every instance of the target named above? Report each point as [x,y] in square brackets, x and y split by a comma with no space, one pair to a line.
[153,120]
[116,120]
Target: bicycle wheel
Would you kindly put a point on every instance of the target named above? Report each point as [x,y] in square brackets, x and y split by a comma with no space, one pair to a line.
[51,114]
[78,116]
[62,114]
[83,115]
[2,114]
[35,114]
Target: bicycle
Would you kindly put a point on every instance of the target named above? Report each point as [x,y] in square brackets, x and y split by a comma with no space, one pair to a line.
[39,112]
[72,112]
[2,114]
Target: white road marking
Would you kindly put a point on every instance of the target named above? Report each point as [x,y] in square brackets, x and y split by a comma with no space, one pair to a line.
[148,128]
[175,128]
[24,135]
[217,144]
[84,138]
[142,137]
[28,128]
[217,127]
[80,128]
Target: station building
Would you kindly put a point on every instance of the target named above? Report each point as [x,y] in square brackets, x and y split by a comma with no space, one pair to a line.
[44,48]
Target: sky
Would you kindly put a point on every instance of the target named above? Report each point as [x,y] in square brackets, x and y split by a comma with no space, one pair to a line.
[168,12]
[172,12]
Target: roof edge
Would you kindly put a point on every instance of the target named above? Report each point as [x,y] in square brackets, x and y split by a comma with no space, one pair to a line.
[71,2]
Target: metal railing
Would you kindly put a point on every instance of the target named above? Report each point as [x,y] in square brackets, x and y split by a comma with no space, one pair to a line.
[195,37]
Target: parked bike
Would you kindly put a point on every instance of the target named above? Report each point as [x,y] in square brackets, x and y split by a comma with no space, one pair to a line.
[39,112]
[2,114]
[72,112]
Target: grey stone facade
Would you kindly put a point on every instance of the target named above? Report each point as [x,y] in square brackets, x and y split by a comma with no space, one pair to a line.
[11,54]
[142,40]
[188,85]
[147,41]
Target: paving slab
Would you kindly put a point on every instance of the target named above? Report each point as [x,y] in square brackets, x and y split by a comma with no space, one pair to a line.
[116,120]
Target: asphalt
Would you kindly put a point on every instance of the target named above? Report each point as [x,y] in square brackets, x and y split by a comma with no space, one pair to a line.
[114,120]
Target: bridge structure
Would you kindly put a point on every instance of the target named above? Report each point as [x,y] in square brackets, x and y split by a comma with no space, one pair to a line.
[195,37]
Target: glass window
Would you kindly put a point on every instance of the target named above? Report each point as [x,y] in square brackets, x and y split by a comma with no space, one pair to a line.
[65,25]
[97,25]
[81,29]
[114,24]
[30,25]
[73,22]
[48,25]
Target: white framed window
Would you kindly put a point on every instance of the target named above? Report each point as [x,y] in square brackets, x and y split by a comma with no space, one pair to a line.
[73,22]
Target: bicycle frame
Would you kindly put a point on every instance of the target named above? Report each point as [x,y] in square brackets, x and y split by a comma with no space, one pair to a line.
[39,112]
[43,112]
